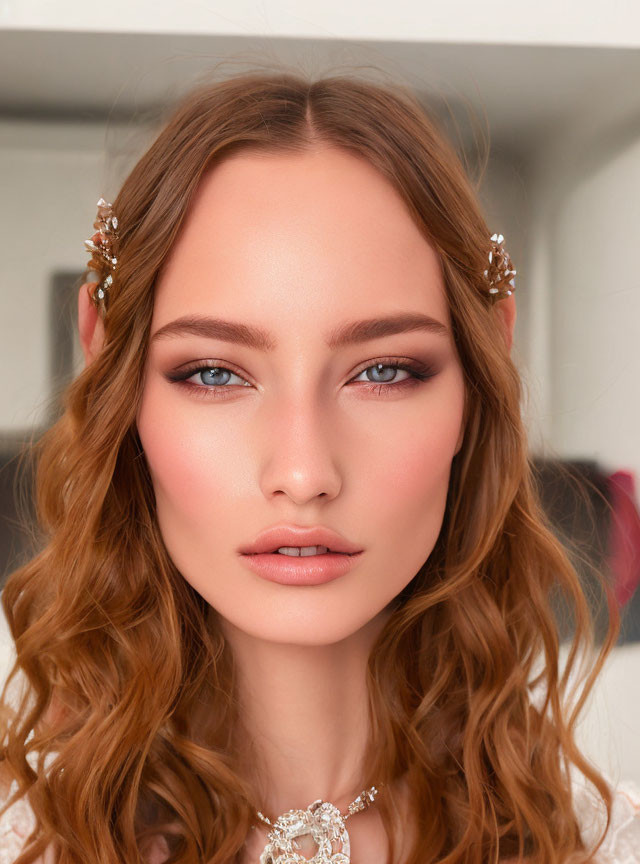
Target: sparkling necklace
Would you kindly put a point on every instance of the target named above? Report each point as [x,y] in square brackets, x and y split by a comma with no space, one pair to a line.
[321,825]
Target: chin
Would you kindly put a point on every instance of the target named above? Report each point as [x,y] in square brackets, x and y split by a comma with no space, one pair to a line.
[321,625]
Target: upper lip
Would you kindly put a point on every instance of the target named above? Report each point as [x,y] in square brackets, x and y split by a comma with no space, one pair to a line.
[294,535]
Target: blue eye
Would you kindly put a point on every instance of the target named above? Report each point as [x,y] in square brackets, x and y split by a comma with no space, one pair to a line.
[211,380]
[216,375]
[377,367]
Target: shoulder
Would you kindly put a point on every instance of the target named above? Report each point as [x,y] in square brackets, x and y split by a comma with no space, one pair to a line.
[622,840]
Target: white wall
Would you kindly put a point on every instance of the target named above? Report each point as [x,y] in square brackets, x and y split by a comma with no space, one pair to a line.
[608,731]
[41,213]
[572,22]
[596,318]
[585,336]
[51,176]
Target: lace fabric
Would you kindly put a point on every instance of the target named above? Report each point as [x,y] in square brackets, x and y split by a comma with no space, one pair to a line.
[621,844]
[15,826]
[19,821]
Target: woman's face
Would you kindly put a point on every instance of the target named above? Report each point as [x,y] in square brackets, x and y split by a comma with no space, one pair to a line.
[296,430]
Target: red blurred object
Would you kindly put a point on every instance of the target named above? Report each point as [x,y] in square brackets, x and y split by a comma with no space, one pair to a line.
[624,536]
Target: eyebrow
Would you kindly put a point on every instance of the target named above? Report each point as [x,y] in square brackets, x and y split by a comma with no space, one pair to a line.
[348,333]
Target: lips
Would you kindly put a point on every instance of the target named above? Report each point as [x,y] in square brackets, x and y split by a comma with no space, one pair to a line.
[299,571]
[294,535]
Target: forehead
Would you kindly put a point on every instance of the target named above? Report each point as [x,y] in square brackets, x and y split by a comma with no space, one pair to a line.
[295,239]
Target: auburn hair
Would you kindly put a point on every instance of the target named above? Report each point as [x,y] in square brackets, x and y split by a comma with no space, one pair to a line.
[114,741]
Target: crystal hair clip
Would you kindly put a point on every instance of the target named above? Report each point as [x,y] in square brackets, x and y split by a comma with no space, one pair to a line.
[101,243]
[500,270]
[499,273]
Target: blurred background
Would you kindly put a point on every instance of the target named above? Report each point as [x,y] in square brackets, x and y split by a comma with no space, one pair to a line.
[542,102]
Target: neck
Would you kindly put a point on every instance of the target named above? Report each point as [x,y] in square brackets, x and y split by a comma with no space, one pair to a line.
[304,710]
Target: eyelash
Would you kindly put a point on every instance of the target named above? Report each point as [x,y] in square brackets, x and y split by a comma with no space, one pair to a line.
[420,372]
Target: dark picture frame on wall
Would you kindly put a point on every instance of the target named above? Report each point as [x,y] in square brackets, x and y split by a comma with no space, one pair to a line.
[16,475]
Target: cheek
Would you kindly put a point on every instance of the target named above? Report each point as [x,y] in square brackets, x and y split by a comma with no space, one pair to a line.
[194,474]
[420,463]
[408,483]
[419,450]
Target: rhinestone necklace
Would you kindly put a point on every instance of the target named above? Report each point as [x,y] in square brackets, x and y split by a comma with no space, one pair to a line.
[321,824]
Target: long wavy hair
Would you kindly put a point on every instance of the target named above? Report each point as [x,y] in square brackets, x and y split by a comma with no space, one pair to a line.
[115,741]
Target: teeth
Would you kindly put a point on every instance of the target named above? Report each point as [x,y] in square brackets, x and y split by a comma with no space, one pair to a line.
[301,551]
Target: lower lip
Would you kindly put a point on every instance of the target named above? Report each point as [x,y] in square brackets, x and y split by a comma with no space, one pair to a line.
[300,570]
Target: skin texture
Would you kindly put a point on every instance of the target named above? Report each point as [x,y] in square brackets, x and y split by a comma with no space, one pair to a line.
[298,244]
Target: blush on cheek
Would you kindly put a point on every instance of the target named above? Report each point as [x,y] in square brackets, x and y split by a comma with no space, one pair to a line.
[174,458]
[186,509]
[421,460]
[415,477]
[415,497]
[182,476]
[196,472]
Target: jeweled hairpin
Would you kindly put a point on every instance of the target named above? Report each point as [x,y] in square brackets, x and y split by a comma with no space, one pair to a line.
[101,243]
[500,270]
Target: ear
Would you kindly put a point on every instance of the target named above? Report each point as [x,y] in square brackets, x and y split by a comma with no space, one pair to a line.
[90,325]
[506,310]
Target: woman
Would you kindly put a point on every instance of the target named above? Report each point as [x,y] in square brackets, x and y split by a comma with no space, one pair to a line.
[300,341]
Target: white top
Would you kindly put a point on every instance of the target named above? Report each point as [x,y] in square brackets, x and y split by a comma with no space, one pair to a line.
[621,845]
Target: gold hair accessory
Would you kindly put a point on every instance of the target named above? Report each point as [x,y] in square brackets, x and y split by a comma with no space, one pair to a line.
[499,270]
[325,825]
[101,243]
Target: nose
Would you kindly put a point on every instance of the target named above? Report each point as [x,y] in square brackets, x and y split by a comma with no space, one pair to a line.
[301,454]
